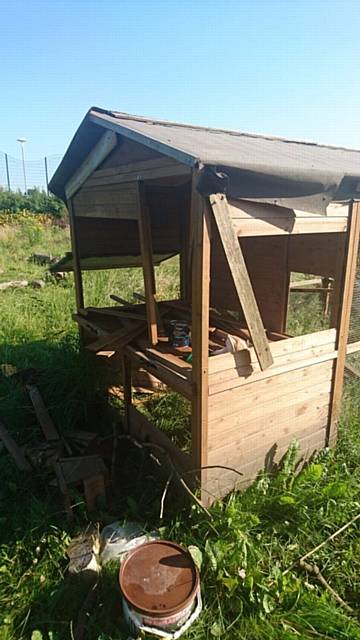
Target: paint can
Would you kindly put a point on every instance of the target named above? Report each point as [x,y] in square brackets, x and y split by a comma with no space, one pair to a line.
[179,333]
[160,588]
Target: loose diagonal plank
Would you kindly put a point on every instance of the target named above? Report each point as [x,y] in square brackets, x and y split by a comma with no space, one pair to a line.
[148,267]
[241,278]
[47,426]
[96,156]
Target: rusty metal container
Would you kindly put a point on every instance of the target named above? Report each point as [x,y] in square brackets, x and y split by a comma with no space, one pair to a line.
[160,586]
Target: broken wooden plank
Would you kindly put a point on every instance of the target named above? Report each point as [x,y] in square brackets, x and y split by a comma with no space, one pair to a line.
[115,312]
[13,449]
[61,482]
[241,278]
[99,152]
[118,339]
[119,300]
[78,468]
[88,325]
[94,488]
[45,421]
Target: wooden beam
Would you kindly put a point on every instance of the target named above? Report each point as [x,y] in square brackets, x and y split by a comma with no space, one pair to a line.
[148,267]
[200,288]
[348,281]
[96,156]
[44,419]
[241,279]
[79,291]
[13,449]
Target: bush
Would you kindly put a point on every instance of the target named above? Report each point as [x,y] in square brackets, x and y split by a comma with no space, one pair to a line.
[34,200]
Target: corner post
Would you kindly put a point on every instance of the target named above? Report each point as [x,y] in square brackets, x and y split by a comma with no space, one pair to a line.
[147,261]
[79,292]
[343,321]
[200,293]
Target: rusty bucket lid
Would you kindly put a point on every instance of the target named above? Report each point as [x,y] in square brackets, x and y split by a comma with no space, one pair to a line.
[159,578]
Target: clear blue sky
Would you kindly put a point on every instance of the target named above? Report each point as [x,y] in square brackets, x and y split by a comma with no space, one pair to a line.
[289,68]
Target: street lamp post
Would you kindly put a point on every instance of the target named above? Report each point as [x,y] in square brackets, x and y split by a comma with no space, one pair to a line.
[22,142]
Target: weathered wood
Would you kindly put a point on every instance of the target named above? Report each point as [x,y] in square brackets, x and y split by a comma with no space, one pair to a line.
[168,376]
[353,347]
[344,318]
[256,219]
[267,421]
[244,375]
[142,429]
[13,449]
[14,284]
[241,279]
[45,421]
[290,346]
[279,226]
[117,201]
[315,253]
[200,291]
[96,156]
[90,326]
[117,339]
[270,373]
[79,291]
[94,488]
[145,174]
[148,267]
[132,167]
[119,300]
[234,401]
[78,468]
[266,260]
[220,483]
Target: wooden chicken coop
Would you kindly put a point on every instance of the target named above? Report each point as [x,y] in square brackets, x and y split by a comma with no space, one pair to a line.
[243,212]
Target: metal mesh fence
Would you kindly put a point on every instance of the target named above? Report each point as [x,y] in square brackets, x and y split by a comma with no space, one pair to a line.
[15,176]
[354,328]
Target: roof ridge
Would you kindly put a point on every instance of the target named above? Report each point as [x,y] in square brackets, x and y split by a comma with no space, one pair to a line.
[119,115]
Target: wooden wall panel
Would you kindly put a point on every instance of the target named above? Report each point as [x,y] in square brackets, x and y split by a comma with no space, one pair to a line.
[266,261]
[102,236]
[248,425]
[315,253]
[128,151]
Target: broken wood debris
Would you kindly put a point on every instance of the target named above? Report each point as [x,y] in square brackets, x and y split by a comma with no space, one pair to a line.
[86,470]
[22,284]
[13,449]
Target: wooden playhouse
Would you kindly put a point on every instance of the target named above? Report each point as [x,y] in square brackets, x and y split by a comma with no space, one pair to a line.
[243,212]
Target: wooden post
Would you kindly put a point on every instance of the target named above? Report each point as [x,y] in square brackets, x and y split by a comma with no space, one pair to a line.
[349,272]
[147,263]
[79,292]
[336,294]
[200,330]
[241,278]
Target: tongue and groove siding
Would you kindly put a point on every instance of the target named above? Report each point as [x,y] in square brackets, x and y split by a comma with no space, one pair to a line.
[253,416]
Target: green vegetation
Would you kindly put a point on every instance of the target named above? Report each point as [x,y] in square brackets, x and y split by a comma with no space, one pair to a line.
[252,538]
[34,202]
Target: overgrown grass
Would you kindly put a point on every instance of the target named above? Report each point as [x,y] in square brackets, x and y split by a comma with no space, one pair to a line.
[252,538]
